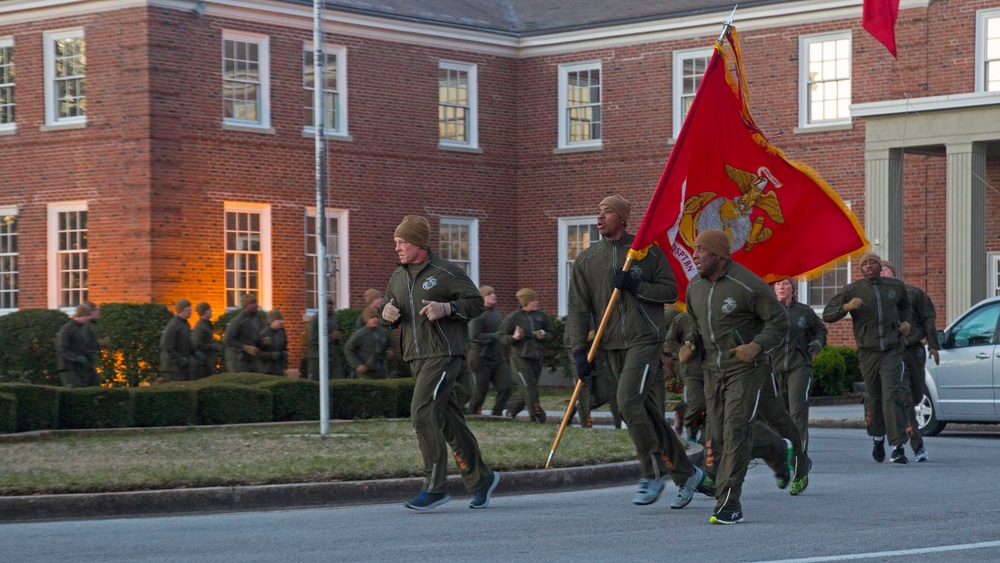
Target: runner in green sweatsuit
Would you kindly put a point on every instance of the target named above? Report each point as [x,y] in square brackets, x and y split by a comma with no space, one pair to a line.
[525,331]
[487,360]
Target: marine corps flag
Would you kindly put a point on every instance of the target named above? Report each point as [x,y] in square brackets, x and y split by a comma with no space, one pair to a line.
[784,220]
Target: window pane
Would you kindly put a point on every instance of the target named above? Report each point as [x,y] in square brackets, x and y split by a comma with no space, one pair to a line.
[829,84]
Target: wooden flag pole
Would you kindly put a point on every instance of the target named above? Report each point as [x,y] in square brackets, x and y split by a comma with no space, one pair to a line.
[590,358]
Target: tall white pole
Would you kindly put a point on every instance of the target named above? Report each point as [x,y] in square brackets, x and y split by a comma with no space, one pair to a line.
[319,121]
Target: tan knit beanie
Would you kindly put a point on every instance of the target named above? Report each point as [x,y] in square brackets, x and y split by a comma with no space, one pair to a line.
[415,230]
[621,206]
[891,266]
[485,290]
[371,295]
[274,315]
[715,241]
[247,299]
[525,296]
[181,305]
[872,256]
[82,310]
[369,313]
[200,308]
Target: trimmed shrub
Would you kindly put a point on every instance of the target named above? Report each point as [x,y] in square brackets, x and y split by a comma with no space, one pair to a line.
[8,413]
[554,355]
[235,378]
[162,406]
[293,399]
[37,405]
[363,398]
[28,346]
[233,404]
[829,368]
[852,367]
[404,389]
[133,355]
[95,407]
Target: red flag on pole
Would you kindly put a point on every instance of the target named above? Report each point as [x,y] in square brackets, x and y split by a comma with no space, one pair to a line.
[784,219]
[878,17]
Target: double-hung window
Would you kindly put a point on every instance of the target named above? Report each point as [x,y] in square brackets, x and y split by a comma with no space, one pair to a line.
[580,105]
[460,244]
[576,234]
[6,86]
[8,259]
[245,80]
[457,105]
[65,69]
[67,254]
[248,252]
[825,79]
[337,263]
[689,69]
[988,50]
[334,90]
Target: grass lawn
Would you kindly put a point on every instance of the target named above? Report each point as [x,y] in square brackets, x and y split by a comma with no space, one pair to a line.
[280,453]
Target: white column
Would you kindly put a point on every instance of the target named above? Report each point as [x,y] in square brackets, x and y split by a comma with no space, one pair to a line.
[965,227]
[884,203]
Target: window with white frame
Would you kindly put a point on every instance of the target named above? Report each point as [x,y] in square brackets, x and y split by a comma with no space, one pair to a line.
[337,263]
[576,234]
[459,238]
[67,254]
[818,292]
[825,79]
[580,104]
[457,104]
[8,259]
[245,80]
[334,89]
[689,69]
[988,50]
[6,84]
[65,68]
[248,252]
[993,261]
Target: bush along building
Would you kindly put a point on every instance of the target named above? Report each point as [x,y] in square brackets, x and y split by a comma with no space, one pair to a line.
[159,149]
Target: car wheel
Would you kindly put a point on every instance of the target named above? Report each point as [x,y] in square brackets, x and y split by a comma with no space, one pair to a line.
[927,422]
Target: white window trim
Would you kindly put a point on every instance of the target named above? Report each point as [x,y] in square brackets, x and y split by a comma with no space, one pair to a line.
[993,271]
[52,249]
[804,42]
[564,70]
[263,43]
[264,210]
[10,210]
[473,225]
[340,52]
[980,74]
[9,127]
[343,250]
[472,70]
[48,63]
[678,83]
[563,224]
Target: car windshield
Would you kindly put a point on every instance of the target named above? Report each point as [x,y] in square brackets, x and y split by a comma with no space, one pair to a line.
[977,329]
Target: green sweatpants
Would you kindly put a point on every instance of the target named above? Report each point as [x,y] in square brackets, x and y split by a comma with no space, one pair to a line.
[526,374]
[488,372]
[914,361]
[730,404]
[795,386]
[694,396]
[439,423]
[885,394]
[657,448]
[771,411]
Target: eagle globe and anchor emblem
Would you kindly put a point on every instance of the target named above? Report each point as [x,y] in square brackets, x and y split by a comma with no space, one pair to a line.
[706,211]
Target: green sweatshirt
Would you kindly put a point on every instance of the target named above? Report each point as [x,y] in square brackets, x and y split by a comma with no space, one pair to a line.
[876,323]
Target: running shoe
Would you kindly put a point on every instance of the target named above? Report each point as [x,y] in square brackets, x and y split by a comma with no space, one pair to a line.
[878,450]
[898,455]
[707,486]
[649,491]
[727,517]
[784,477]
[482,497]
[686,491]
[427,501]
[799,485]
[920,455]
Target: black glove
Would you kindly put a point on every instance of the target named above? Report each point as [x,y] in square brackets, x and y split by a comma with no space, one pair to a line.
[583,367]
[625,281]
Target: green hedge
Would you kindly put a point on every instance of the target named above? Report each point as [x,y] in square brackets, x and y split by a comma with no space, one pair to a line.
[28,346]
[163,406]
[851,365]
[8,413]
[233,404]
[95,407]
[37,405]
[404,388]
[134,329]
[293,399]
[363,398]
[829,372]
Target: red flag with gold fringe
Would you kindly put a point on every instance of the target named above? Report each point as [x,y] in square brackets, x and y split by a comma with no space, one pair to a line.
[784,219]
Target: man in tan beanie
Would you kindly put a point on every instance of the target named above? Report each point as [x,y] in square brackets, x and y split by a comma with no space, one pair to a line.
[74,355]
[334,338]
[203,342]
[525,332]
[273,356]
[487,360]
[369,348]
[175,345]
[432,301]
[880,311]
[738,317]
[633,339]
[373,299]
[241,337]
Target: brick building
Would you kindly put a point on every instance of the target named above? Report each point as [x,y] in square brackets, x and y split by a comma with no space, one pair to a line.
[158,149]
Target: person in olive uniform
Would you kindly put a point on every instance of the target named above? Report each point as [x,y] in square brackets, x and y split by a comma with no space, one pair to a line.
[880,311]
[525,332]
[334,336]
[206,348]
[738,318]
[432,301]
[915,357]
[599,389]
[175,345]
[74,351]
[369,348]
[273,356]
[486,357]
[793,358]
[633,339]
[241,337]
[373,300]
[681,329]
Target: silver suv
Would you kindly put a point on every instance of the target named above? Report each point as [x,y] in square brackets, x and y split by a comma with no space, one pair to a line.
[966,386]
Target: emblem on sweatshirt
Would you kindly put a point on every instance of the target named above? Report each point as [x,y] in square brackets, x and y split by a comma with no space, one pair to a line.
[801,322]
[729,305]
[429,283]
[892,294]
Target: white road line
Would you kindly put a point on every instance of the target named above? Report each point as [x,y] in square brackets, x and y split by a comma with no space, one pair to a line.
[899,553]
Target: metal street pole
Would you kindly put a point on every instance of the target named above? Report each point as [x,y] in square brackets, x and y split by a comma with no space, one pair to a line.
[319,122]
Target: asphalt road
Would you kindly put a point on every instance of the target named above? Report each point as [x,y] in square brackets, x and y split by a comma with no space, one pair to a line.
[942,510]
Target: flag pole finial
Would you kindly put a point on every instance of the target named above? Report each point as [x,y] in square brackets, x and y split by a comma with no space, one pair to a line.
[727,24]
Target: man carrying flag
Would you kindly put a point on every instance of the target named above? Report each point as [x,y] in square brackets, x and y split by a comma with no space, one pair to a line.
[633,340]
